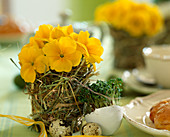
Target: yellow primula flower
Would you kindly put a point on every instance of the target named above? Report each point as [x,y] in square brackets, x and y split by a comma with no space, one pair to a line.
[62,54]
[59,31]
[93,45]
[35,42]
[57,48]
[67,30]
[44,32]
[74,36]
[32,60]
[81,47]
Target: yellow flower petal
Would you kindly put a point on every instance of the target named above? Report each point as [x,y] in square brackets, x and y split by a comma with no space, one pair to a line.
[62,65]
[70,29]
[44,31]
[94,66]
[51,60]
[74,36]
[28,73]
[62,51]
[83,37]
[67,45]
[67,30]
[57,33]
[83,49]
[94,58]
[26,46]
[75,58]
[29,54]
[37,42]
[95,50]
[41,64]
[52,49]
[94,47]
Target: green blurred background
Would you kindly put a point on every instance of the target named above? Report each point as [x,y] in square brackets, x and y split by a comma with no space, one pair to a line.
[83,10]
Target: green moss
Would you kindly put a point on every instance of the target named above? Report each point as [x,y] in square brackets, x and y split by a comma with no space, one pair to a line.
[101,93]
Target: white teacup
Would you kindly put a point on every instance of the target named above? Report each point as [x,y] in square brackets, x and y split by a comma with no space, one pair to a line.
[157,60]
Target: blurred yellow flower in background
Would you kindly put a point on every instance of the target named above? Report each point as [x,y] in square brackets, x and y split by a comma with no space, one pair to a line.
[137,23]
[121,7]
[135,18]
[156,22]
[102,14]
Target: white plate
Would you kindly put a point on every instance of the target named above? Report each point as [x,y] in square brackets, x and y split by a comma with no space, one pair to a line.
[137,113]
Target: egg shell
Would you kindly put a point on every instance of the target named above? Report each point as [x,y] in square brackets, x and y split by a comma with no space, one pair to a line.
[59,129]
[109,118]
[91,129]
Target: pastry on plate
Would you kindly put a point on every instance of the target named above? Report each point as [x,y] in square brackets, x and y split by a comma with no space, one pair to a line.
[160,115]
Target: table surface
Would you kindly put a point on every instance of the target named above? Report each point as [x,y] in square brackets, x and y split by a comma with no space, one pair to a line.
[14,102]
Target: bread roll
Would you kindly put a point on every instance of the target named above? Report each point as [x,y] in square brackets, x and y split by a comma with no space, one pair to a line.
[162,118]
[160,115]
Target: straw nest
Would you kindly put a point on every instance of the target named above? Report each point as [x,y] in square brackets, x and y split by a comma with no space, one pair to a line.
[54,96]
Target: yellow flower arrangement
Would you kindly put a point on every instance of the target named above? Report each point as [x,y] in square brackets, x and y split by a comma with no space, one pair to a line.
[135,18]
[57,65]
[57,48]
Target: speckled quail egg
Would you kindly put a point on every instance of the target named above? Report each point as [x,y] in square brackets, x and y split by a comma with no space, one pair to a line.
[59,128]
[91,129]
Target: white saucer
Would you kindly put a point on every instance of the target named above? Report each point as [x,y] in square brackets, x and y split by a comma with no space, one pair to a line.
[140,81]
[145,77]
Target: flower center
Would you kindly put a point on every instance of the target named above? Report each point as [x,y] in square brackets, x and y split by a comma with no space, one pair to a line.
[61,55]
[45,42]
[32,63]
